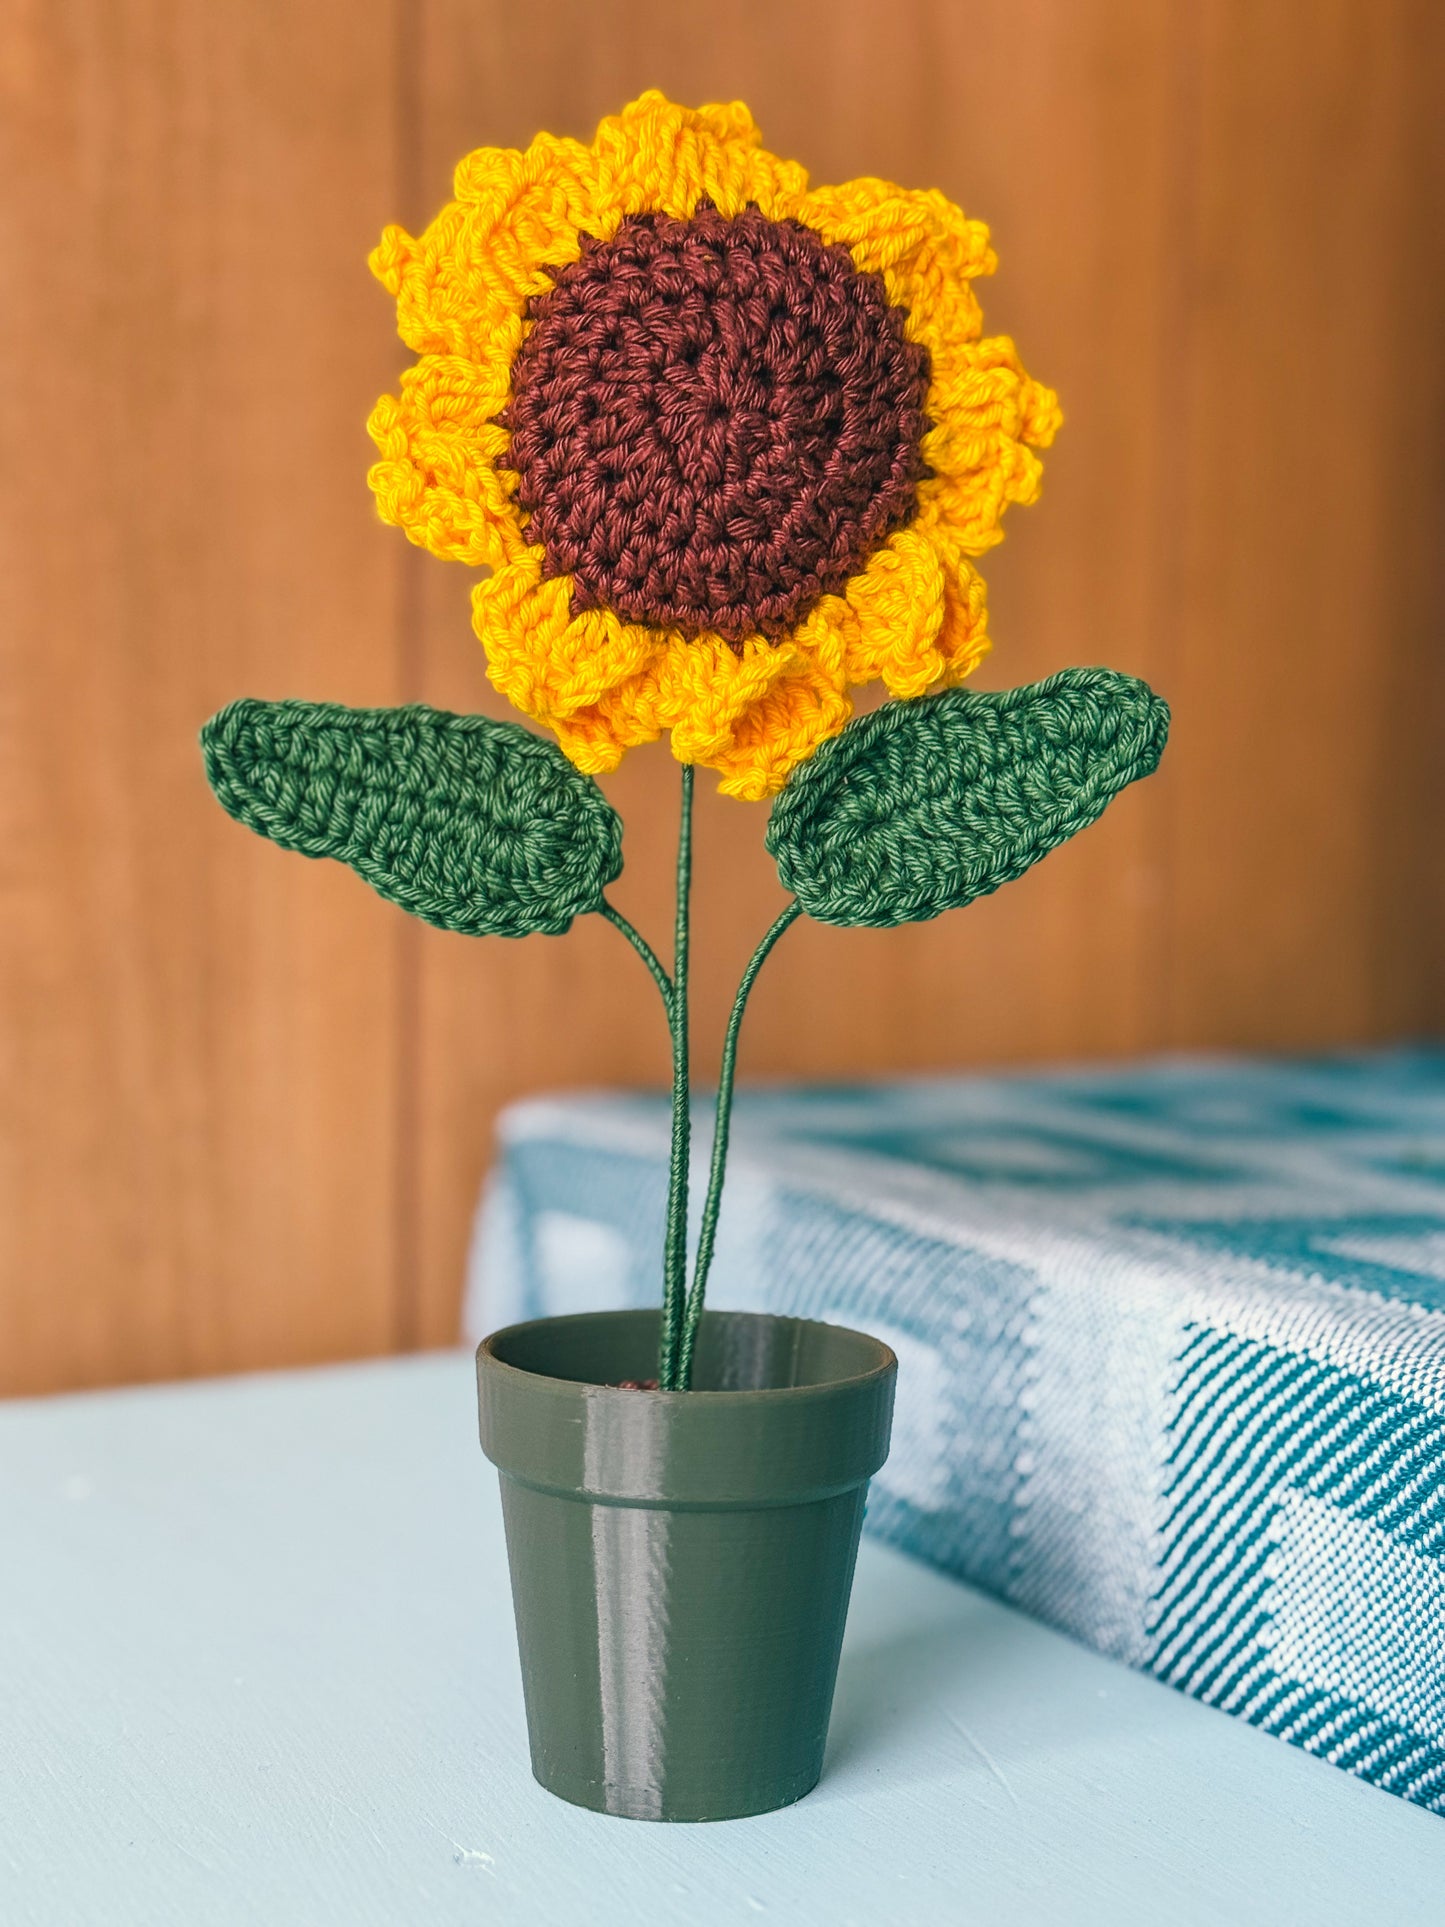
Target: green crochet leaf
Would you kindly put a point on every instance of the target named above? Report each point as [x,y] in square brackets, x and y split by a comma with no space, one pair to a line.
[923,806]
[472,825]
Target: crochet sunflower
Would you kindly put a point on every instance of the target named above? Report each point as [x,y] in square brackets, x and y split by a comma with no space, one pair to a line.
[727,445]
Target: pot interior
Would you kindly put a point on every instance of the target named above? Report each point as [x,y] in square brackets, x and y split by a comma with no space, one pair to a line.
[737,1351]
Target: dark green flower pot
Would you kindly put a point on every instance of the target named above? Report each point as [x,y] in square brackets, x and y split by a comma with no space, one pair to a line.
[681,1561]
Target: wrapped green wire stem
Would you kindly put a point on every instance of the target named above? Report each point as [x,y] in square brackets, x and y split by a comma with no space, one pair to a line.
[674,1251]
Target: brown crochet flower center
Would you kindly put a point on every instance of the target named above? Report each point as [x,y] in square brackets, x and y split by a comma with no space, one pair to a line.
[714,422]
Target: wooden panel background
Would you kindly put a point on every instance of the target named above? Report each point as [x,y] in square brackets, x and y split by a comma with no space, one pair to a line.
[246,1105]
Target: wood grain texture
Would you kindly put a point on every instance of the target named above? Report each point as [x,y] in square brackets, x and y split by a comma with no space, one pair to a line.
[246,1106]
[200,1038]
[1303,590]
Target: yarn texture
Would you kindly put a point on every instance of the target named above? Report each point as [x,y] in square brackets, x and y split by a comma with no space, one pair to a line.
[714,423]
[921,807]
[472,825]
[728,442]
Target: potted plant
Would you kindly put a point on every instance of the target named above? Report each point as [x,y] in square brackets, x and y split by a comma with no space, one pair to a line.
[727,445]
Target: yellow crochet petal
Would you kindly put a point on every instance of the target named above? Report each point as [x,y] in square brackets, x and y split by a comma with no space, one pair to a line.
[886,226]
[553,167]
[437,477]
[518,618]
[986,411]
[962,640]
[776,186]
[988,417]
[462,286]
[800,710]
[1042,417]
[926,249]
[634,712]
[898,603]
[548,662]
[979,390]
[596,739]
[707,686]
[972,504]
[656,157]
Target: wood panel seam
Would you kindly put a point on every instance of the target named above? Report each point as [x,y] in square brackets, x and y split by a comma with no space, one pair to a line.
[408,1095]
[1173,436]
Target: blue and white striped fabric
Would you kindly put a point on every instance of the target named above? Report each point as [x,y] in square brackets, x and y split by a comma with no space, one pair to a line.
[1172,1347]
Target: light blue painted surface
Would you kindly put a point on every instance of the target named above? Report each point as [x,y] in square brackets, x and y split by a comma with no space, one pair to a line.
[257,1665]
[1172,1339]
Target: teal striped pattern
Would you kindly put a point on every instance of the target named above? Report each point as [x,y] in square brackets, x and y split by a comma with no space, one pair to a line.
[1171,1343]
[1270,1454]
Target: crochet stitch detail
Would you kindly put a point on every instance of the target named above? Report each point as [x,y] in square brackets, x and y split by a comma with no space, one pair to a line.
[472,825]
[714,422]
[921,807]
[474,291]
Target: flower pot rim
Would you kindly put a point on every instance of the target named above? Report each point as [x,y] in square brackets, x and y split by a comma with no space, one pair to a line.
[885,1359]
[604,1443]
